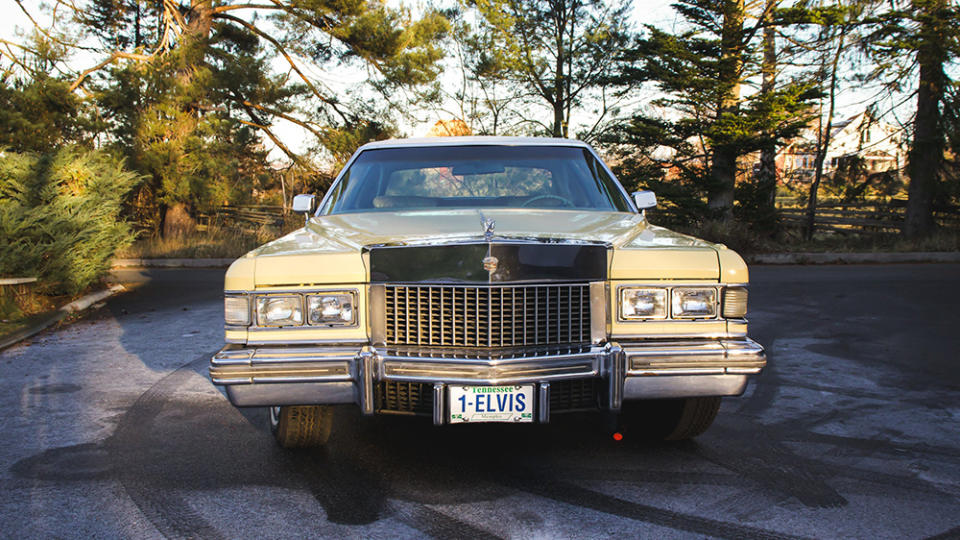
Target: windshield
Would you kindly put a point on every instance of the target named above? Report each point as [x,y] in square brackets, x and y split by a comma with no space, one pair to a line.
[391,179]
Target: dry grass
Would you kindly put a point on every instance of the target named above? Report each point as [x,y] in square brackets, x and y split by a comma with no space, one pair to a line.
[214,243]
[19,302]
[792,241]
[745,241]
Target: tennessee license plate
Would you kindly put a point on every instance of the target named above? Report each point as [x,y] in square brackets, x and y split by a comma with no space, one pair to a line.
[512,403]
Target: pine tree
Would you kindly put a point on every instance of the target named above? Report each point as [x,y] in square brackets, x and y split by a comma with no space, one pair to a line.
[558,51]
[189,91]
[912,44]
[706,123]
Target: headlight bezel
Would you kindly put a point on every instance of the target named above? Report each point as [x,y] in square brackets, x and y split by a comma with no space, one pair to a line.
[257,320]
[670,290]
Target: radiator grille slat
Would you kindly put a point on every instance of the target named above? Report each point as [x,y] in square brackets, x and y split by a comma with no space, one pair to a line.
[487,315]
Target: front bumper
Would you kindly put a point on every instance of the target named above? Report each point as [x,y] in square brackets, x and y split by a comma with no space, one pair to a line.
[649,369]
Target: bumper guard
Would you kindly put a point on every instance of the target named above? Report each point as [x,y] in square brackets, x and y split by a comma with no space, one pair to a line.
[651,369]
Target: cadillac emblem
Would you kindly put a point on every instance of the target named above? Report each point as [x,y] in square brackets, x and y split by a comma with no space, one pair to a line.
[490,263]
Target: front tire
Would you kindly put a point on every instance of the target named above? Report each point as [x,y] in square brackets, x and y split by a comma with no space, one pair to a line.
[669,419]
[301,426]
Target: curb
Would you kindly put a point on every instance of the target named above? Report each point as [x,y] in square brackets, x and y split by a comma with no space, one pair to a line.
[58,315]
[171,263]
[856,258]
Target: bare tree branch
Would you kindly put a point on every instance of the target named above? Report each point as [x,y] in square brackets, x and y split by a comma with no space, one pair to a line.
[293,65]
[287,117]
[224,9]
[47,34]
[291,154]
[115,56]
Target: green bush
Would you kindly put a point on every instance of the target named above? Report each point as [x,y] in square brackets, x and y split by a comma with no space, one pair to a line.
[60,216]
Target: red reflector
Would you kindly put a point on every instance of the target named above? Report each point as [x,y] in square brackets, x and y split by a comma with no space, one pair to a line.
[617,437]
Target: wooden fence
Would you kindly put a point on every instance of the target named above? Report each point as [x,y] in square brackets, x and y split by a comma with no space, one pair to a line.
[243,216]
[860,217]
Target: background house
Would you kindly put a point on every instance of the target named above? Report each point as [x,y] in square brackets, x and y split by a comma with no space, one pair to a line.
[879,144]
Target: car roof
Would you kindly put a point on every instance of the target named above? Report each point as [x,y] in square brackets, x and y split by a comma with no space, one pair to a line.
[473,141]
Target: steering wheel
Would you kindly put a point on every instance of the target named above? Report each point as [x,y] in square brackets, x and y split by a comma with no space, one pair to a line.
[564,200]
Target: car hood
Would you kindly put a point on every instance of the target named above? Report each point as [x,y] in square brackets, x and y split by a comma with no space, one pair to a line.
[354,231]
[329,248]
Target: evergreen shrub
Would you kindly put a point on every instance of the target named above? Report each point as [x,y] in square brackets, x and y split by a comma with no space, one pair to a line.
[60,216]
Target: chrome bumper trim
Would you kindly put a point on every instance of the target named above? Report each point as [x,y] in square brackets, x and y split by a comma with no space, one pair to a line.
[439,407]
[695,357]
[543,404]
[492,371]
[680,386]
[651,369]
[299,393]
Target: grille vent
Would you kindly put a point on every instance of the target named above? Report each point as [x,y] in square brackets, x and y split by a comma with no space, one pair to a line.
[404,398]
[487,316]
[574,395]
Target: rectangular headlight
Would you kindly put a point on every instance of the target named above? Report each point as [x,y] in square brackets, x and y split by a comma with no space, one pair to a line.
[734,302]
[694,302]
[236,310]
[643,303]
[279,311]
[333,309]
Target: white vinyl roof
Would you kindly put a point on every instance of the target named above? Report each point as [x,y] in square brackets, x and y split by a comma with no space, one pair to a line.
[474,141]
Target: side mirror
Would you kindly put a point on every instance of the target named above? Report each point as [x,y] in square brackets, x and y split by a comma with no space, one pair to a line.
[304,204]
[644,200]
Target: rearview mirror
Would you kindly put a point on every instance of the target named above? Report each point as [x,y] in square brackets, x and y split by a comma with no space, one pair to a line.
[644,200]
[467,169]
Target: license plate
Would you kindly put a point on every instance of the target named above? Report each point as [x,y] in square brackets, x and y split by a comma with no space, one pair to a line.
[512,403]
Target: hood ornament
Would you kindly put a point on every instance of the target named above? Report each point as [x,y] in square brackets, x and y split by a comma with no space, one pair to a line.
[489,262]
[488,226]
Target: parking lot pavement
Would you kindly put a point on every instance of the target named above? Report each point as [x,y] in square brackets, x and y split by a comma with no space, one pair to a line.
[114,430]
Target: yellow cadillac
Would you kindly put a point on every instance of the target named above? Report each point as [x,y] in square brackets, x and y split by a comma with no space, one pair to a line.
[484,279]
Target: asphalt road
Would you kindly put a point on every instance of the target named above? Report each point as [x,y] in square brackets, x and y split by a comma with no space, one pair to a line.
[113,430]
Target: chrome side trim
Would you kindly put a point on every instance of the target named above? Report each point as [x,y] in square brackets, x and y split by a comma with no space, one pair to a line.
[692,335]
[285,341]
[663,283]
[376,314]
[598,312]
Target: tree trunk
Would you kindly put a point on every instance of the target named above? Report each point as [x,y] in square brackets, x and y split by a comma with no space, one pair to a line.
[767,175]
[723,178]
[558,82]
[558,119]
[823,139]
[926,155]
[723,170]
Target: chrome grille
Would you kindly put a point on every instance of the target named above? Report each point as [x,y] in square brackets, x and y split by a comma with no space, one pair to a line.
[487,316]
